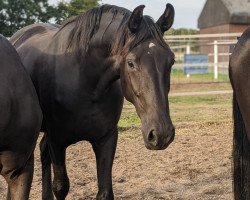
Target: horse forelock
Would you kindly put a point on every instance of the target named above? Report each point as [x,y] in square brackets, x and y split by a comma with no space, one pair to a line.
[125,41]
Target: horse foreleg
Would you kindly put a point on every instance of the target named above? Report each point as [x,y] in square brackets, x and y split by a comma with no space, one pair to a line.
[47,193]
[105,152]
[19,181]
[61,180]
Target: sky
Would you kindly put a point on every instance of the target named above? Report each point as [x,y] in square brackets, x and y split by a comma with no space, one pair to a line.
[186,11]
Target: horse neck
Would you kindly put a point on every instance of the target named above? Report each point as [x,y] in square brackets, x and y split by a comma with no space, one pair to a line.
[107,71]
[96,62]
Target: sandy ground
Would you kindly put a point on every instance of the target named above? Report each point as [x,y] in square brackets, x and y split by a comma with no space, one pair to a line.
[197,165]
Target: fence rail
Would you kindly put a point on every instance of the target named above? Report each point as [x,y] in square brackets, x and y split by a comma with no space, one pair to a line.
[218,35]
[217,47]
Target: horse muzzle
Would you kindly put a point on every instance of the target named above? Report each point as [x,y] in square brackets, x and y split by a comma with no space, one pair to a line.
[159,140]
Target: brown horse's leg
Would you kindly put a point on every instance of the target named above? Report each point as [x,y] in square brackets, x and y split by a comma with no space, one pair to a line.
[61,180]
[19,182]
[47,193]
[105,152]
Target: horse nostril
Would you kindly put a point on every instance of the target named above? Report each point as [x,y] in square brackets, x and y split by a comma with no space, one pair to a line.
[151,136]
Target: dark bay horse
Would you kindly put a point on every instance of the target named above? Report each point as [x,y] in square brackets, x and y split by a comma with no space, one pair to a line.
[20,123]
[239,70]
[82,70]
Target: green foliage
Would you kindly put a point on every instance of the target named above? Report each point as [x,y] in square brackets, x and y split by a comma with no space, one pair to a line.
[73,8]
[15,14]
[182,31]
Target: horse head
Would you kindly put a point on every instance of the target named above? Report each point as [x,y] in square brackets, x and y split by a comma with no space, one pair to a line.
[142,60]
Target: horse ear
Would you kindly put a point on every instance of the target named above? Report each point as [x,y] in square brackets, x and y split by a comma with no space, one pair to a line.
[136,19]
[167,19]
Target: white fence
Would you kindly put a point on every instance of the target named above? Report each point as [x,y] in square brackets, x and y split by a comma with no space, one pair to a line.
[217,47]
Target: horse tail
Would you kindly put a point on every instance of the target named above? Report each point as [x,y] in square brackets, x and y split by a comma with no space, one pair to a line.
[241,156]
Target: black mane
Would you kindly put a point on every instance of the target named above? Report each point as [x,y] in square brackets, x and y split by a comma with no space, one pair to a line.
[88,23]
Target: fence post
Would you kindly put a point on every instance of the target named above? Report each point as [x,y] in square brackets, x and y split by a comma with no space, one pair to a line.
[215,59]
[188,50]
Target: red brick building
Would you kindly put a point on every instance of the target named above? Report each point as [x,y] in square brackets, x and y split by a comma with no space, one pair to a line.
[223,16]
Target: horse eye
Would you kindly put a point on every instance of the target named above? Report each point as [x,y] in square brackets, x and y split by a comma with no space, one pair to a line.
[130,64]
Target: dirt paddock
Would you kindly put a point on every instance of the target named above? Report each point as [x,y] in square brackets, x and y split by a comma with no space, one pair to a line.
[197,165]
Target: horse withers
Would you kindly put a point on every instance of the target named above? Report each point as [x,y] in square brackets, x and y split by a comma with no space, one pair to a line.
[21,119]
[239,71]
[82,70]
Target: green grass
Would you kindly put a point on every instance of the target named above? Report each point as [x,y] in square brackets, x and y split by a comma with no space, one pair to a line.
[194,100]
[197,87]
[178,76]
[196,109]
[185,111]
[129,120]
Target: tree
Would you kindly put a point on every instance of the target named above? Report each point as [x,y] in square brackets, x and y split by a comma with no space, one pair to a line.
[184,31]
[15,14]
[73,8]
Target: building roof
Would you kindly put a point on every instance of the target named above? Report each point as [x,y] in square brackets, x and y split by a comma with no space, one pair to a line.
[219,12]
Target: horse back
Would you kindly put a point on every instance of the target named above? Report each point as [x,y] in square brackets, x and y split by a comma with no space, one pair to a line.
[28,32]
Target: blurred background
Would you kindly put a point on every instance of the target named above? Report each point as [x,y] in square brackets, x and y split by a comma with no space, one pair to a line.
[202,38]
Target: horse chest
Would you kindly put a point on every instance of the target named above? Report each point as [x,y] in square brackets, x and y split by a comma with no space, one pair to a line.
[87,120]
[96,122]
